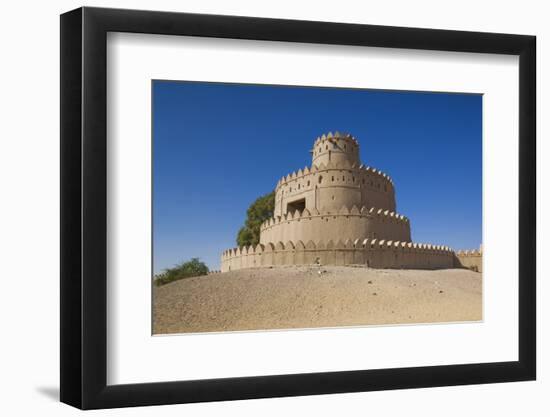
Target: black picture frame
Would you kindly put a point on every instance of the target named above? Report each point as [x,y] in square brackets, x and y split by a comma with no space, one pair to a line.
[84,207]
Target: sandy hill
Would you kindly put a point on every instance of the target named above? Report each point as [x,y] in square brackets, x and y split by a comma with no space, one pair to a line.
[300,297]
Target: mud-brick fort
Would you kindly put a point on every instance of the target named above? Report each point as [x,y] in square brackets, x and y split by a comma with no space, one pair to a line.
[340,212]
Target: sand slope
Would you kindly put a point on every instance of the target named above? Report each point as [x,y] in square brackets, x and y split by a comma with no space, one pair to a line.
[298,297]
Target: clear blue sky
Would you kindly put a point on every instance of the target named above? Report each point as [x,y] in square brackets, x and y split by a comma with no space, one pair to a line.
[217,147]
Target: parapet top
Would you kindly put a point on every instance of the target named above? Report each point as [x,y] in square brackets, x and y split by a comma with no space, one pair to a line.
[336,135]
[357,244]
[344,211]
[332,165]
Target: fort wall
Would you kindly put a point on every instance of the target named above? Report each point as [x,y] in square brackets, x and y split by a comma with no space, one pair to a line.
[342,225]
[329,187]
[470,259]
[368,252]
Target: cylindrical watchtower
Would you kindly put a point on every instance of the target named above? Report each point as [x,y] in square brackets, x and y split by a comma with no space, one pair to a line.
[335,149]
[335,179]
[336,198]
[337,212]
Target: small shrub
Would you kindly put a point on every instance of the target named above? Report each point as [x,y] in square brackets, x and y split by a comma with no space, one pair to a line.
[192,268]
[258,212]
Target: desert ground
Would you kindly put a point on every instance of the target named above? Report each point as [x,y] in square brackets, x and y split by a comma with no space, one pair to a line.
[301,297]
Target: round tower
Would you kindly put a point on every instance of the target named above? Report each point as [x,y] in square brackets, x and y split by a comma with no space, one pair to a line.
[335,149]
[337,212]
[335,179]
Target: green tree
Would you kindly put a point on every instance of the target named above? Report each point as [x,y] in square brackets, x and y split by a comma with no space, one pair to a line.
[192,268]
[258,212]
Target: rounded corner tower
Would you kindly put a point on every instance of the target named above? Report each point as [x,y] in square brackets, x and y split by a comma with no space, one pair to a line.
[335,202]
[335,181]
[337,149]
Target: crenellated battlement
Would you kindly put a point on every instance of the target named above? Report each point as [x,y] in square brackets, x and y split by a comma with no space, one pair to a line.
[370,252]
[364,211]
[471,259]
[337,135]
[358,169]
[471,252]
[344,223]
[367,244]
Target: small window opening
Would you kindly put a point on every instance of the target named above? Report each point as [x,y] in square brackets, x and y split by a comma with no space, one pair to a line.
[298,205]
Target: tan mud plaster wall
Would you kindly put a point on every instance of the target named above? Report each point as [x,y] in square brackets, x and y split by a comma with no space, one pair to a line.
[372,253]
[329,188]
[342,225]
[470,259]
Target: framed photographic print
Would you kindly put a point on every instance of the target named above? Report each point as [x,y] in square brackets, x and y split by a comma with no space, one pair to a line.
[258,208]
